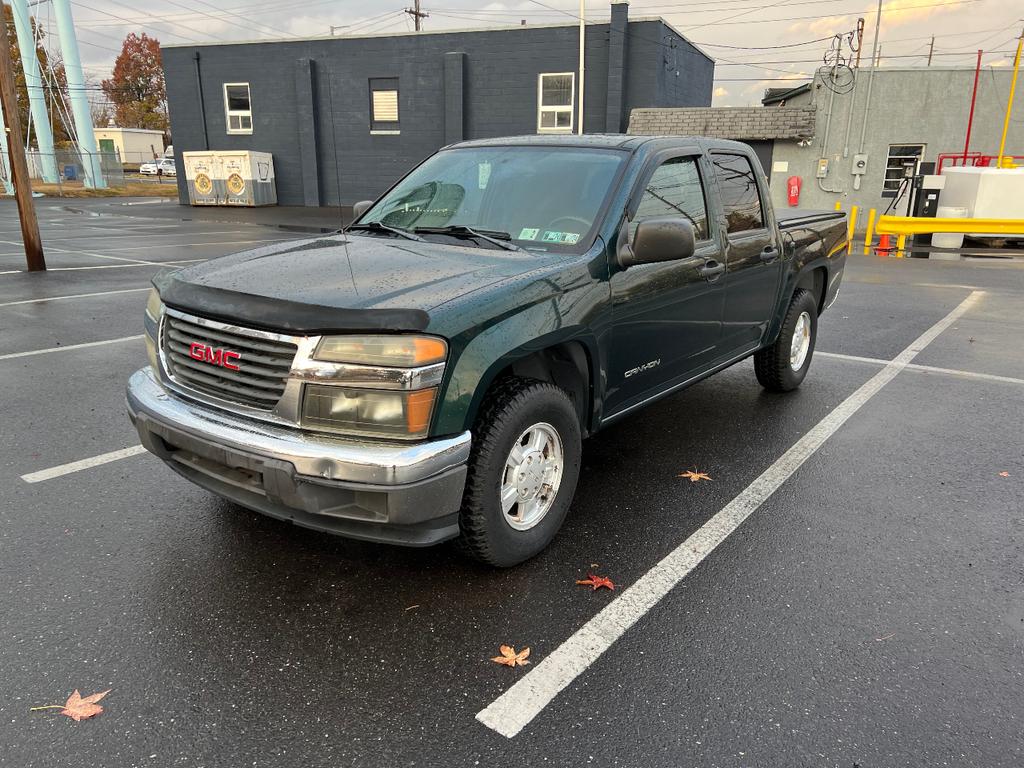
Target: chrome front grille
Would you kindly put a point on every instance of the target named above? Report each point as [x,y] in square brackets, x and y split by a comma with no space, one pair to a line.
[193,353]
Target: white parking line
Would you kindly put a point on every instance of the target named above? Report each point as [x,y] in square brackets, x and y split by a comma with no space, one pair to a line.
[34,352]
[520,704]
[78,466]
[71,296]
[175,263]
[926,368]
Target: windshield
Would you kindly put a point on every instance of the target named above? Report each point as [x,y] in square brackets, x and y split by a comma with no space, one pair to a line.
[540,198]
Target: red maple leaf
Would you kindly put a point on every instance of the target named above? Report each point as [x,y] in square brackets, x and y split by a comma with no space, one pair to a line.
[510,658]
[596,582]
[78,707]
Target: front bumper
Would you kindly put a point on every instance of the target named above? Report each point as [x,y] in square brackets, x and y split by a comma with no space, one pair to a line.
[389,492]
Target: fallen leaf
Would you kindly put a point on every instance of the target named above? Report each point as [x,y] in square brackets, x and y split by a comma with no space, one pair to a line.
[695,477]
[510,658]
[885,637]
[1004,474]
[78,707]
[596,582]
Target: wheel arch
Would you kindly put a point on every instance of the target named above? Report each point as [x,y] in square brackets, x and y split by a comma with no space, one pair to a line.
[566,361]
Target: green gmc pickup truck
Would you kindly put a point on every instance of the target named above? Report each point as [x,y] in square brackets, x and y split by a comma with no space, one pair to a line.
[430,372]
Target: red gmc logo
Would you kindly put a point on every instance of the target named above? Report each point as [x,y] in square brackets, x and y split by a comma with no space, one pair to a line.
[214,356]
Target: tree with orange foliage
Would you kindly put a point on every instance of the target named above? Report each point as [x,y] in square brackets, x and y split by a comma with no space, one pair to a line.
[136,87]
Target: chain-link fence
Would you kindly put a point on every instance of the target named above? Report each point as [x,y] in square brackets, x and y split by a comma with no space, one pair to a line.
[73,168]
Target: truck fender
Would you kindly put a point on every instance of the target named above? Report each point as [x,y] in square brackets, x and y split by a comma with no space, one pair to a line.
[565,356]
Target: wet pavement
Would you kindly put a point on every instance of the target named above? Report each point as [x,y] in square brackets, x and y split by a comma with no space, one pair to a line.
[870,612]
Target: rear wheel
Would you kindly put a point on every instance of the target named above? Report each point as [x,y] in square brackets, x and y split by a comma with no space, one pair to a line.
[782,366]
[523,469]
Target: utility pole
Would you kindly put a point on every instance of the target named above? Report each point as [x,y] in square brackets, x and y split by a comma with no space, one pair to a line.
[16,152]
[583,37]
[931,50]
[417,15]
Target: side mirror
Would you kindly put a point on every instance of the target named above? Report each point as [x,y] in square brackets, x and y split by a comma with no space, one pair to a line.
[360,208]
[662,238]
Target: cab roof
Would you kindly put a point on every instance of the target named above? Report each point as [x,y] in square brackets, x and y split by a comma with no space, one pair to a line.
[603,141]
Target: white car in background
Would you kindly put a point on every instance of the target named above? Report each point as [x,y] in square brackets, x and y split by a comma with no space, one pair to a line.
[148,169]
[168,167]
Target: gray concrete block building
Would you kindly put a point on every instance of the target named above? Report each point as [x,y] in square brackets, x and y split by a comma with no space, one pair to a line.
[344,117]
[914,116]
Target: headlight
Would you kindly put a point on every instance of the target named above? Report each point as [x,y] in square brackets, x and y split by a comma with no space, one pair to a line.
[153,305]
[392,351]
[154,308]
[373,412]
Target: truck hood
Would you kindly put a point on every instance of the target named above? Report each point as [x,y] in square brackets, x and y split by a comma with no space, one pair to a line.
[340,283]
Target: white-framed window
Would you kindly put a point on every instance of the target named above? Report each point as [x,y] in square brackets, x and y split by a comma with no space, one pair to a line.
[384,105]
[556,100]
[237,108]
[900,157]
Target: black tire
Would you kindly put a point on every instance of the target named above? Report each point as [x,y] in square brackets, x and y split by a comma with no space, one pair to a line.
[772,364]
[512,406]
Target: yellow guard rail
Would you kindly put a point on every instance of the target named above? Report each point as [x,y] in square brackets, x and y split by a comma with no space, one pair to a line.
[901,226]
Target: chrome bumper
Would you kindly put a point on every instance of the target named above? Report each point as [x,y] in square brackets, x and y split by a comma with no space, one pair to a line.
[393,492]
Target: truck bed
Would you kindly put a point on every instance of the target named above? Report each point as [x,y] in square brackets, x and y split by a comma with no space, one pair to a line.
[791,218]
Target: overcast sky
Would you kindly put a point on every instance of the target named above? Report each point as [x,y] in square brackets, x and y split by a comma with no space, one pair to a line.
[742,73]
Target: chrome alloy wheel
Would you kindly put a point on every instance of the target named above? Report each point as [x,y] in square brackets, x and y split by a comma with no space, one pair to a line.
[532,476]
[801,342]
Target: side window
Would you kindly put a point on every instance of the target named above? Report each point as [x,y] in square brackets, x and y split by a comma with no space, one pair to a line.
[237,108]
[384,105]
[675,189]
[737,183]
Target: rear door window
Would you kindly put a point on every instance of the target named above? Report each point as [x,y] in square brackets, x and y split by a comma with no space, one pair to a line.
[741,198]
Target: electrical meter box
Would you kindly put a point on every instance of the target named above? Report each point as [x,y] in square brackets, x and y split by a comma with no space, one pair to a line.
[822,168]
[860,165]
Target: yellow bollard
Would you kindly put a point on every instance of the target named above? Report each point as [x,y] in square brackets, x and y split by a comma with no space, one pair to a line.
[839,206]
[852,224]
[901,244]
[870,233]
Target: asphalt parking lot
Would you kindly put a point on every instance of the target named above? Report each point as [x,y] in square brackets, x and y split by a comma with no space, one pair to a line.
[867,610]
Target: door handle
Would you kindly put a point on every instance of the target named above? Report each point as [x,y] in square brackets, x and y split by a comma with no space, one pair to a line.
[769,254]
[711,270]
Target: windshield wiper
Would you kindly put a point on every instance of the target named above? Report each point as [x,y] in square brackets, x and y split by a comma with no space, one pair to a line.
[376,226]
[500,239]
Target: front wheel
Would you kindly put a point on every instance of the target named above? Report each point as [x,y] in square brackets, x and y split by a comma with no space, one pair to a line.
[782,366]
[523,469]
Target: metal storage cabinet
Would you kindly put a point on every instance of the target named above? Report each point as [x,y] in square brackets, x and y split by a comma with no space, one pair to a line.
[248,178]
[202,174]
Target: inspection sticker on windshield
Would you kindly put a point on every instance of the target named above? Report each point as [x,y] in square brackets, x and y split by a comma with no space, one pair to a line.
[569,238]
[528,233]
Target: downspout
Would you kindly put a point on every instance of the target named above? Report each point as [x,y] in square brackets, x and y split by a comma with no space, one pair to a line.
[202,101]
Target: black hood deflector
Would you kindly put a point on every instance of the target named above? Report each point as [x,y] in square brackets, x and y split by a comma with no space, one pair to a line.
[278,314]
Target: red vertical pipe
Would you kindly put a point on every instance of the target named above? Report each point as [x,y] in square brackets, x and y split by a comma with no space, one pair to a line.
[970,117]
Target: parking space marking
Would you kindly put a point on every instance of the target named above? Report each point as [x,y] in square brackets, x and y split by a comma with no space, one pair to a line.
[519,705]
[69,347]
[78,466]
[176,262]
[926,368]
[72,296]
